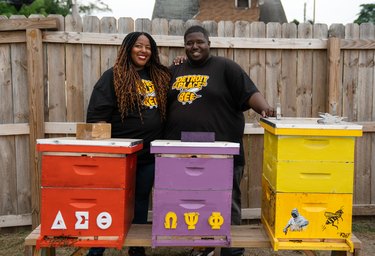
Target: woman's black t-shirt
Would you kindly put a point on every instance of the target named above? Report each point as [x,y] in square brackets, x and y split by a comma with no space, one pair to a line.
[103,107]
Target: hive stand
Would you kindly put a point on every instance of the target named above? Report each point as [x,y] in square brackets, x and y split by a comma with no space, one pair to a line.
[247,236]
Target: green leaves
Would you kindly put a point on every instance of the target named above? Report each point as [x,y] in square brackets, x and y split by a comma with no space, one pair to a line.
[367,14]
[46,7]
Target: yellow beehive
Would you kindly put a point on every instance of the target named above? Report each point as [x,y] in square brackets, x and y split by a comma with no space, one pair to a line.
[301,155]
[309,148]
[320,215]
[310,177]
[310,127]
[307,183]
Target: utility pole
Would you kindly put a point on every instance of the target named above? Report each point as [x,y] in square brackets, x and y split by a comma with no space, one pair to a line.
[314,13]
[75,12]
[304,12]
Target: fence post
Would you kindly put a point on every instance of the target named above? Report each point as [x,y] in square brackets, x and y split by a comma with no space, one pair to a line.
[333,51]
[36,116]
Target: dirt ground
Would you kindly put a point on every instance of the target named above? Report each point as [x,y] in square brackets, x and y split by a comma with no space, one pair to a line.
[11,243]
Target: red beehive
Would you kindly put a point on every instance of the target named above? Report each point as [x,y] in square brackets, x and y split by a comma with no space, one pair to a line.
[87,191]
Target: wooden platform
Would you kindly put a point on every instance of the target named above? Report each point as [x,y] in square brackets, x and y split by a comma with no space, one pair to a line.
[247,236]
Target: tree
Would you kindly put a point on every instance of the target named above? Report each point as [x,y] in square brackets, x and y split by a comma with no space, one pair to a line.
[45,7]
[18,3]
[367,14]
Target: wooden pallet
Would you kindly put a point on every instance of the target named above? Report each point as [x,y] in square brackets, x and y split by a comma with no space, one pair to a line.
[247,236]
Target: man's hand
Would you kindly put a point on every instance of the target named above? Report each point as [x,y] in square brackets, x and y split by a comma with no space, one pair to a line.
[269,112]
[259,104]
[179,60]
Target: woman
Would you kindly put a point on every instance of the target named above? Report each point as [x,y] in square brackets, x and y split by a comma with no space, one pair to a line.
[132,97]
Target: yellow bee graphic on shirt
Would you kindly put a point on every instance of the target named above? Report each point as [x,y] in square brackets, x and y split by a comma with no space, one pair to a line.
[188,96]
[147,90]
[188,86]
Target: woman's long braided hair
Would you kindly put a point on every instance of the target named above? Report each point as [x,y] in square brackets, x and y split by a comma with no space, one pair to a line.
[127,80]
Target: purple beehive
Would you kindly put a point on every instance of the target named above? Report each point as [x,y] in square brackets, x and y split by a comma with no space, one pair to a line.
[193,191]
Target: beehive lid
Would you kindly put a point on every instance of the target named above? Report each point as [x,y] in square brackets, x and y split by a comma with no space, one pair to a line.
[309,126]
[71,144]
[179,147]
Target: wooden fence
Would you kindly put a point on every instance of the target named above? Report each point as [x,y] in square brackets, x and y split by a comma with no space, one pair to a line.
[48,67]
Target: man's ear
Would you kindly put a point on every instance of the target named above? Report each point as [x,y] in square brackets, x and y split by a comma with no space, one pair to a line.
[209,43]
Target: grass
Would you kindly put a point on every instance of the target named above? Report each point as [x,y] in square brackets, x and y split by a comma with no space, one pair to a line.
[364,225]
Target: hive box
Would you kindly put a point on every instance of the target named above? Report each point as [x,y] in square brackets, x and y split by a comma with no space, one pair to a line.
[301,155]
[192,194]
[87,188]
[327,215]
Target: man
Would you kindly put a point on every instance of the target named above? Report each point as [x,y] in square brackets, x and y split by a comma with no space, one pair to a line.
[209,94]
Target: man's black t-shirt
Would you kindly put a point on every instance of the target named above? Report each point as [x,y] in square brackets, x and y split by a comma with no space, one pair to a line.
[103,107]
[210,97]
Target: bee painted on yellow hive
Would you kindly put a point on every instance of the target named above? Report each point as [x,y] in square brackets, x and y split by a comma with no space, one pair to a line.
[296,223]
[333,218]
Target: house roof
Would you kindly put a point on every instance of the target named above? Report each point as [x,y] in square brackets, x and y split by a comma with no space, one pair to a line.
[175,9]
[272,11]
[218,10]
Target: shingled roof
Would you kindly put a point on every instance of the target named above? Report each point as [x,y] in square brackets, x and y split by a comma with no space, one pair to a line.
[175,9]
[217,10]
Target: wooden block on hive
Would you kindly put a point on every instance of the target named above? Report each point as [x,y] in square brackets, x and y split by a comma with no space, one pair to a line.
[93,131]
[197,136]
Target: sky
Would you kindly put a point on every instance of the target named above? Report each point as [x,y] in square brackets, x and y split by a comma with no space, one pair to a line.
[326,11]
